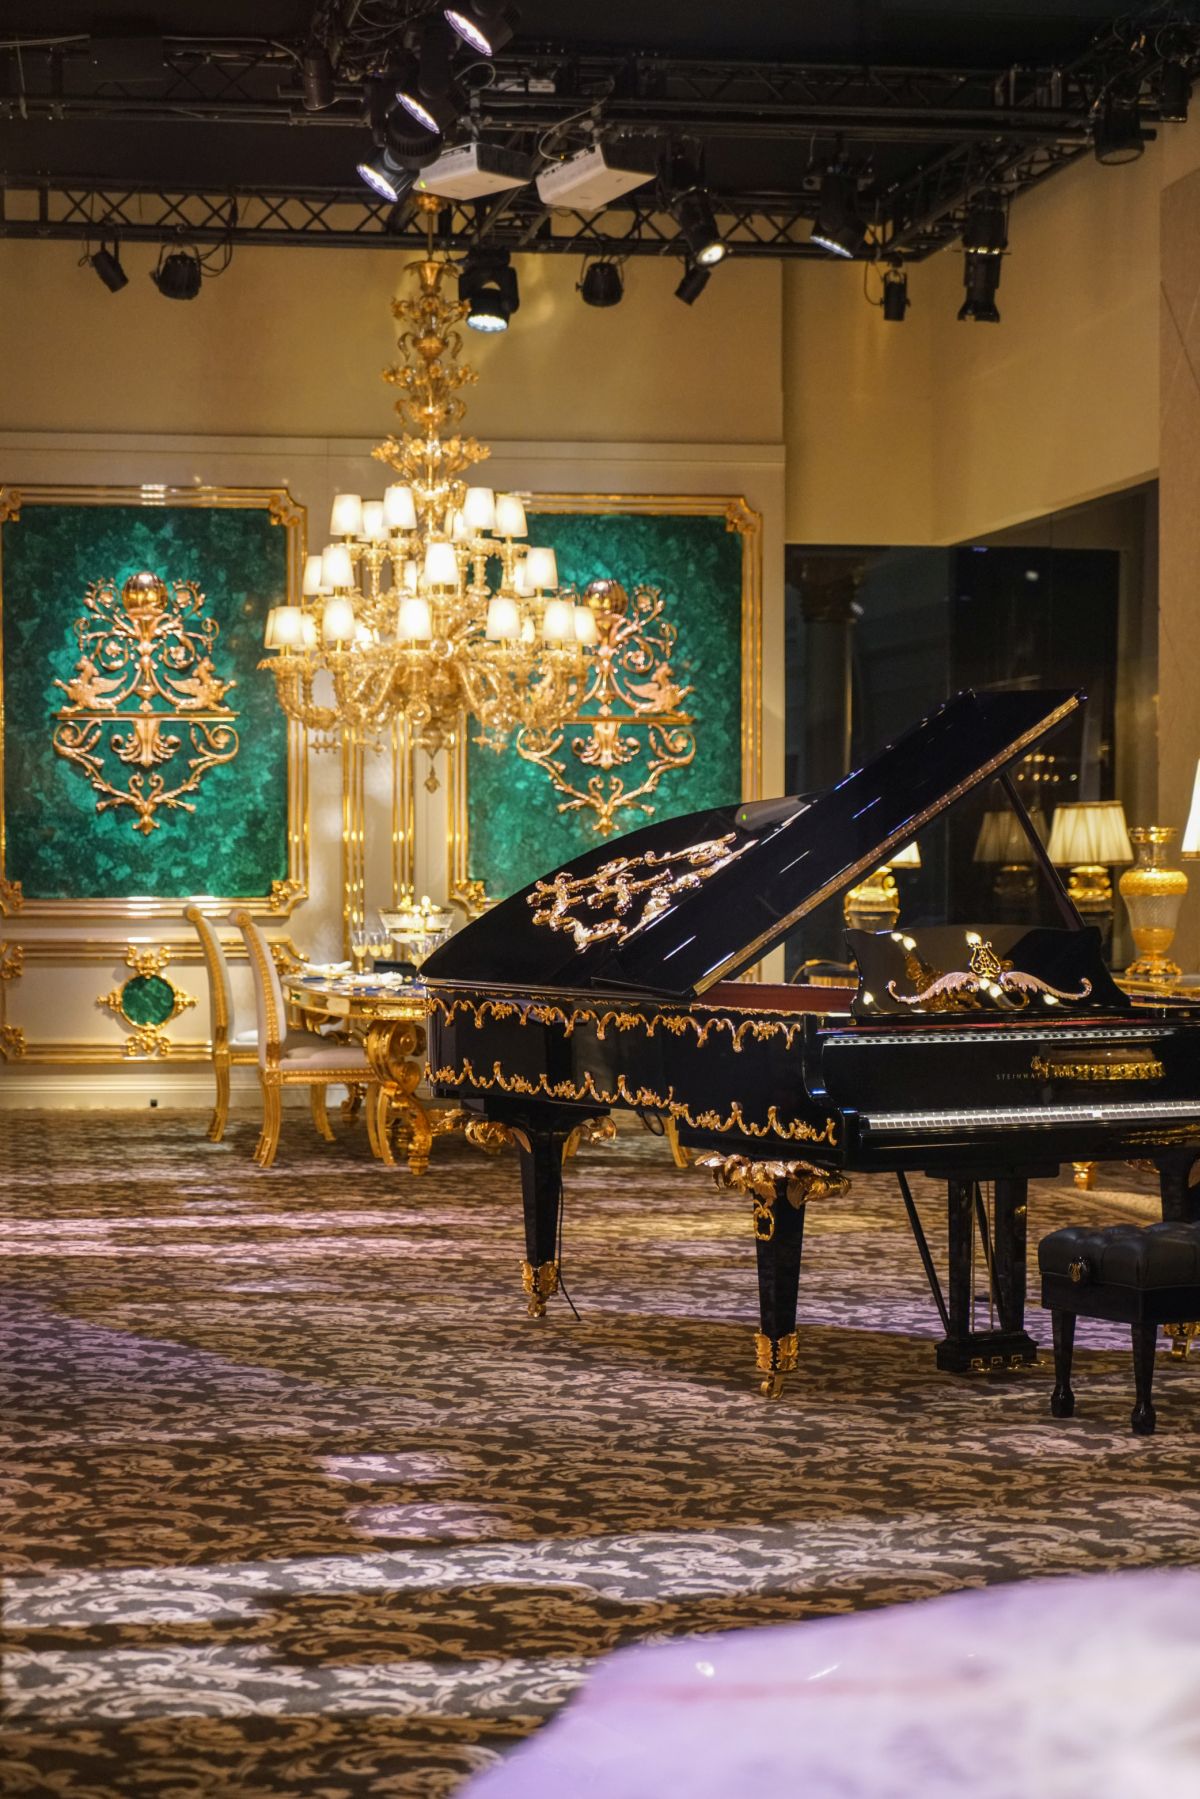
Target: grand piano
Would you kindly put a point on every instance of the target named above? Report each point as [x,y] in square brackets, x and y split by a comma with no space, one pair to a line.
[981,1054]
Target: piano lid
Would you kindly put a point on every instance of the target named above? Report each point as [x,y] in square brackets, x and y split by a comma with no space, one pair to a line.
[685,902]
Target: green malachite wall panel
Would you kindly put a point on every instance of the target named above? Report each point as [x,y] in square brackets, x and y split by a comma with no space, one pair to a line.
[58,846]
[515,830]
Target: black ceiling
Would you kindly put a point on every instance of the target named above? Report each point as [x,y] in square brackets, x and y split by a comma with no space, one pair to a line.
[148,119]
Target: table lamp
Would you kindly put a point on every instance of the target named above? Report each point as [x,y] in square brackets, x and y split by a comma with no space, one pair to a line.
[1003,842]
[874,905]
[1089,837]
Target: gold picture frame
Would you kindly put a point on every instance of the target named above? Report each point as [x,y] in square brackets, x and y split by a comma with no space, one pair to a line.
[740,517]
[285,895]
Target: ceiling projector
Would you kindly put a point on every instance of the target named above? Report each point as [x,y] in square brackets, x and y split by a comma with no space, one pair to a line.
[593,179]
[469,171]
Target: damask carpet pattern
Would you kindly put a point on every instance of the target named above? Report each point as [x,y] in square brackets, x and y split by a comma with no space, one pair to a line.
[299,1503]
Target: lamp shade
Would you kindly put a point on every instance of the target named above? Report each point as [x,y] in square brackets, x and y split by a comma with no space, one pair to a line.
[338,623]
[285,628]
[441,564]
[503,619]
[510,516]
[558,626]
[479,508]
[337,570]
[373,527]
[312,575]
[346,518]
[541,569]
[586,629]
[1089,833]
[1191,834]
[1001,839]
[416,624]
[399,511]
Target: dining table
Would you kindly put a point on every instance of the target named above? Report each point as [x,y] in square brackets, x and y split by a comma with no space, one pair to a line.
[385,1011]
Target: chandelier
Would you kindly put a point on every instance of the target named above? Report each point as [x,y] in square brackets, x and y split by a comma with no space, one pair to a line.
[429,604]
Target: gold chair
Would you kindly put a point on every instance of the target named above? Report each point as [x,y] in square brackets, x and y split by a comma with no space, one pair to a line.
[228,1046]
[288,1058]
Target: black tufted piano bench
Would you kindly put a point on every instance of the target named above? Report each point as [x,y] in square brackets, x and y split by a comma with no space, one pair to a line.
[1141,1275]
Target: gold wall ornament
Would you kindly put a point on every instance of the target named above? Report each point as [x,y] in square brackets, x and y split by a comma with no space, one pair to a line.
[631,684]
[11,898]
[147,1001]
[145,690]
[12,1037]
[628,892]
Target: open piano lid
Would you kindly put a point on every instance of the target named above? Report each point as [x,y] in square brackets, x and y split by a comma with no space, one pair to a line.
[683,903]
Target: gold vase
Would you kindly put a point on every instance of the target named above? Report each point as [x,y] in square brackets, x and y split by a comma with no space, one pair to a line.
[874,905]
[1153,894]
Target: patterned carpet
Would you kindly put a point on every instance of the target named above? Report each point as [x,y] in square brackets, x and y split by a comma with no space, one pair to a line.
[297,1502]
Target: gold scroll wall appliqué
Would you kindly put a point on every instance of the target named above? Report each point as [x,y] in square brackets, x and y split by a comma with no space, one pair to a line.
[631,724]
[145,698]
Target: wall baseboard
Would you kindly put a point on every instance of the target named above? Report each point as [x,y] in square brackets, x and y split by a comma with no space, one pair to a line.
[122,1090]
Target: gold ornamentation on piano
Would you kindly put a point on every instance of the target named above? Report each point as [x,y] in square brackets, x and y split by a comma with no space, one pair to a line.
[797,1130]
[1147,1069]
[986,973]
[615,888]
[762,1180]
[540,1284]
[677,1024]
[774,1357]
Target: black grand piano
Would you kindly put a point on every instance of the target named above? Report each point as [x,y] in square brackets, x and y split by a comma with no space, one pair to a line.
[981,1054]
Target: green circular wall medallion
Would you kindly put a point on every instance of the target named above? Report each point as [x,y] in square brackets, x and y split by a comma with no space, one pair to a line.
[148,999]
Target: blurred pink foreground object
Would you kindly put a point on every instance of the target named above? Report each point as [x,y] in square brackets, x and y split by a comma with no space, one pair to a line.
[1085,1688]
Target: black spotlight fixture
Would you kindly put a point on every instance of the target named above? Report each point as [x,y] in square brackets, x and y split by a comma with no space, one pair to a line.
[385,175]
[692,212]
[484,26]
[693,283]
[178,274]
[838,226]
[981,278]
[1117,128]
[434,98]
[985,228]
[408,143]
[1174,92]
[107,263]
[602,284]
[316,80]
[488,283]
[895,294]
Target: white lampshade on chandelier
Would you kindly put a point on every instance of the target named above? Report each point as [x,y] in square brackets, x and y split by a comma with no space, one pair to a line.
[428,604]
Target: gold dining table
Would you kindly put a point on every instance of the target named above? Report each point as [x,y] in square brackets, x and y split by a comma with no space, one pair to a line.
[388,1017]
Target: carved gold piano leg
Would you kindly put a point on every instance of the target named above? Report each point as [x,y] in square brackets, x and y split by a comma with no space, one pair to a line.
[540,1284]
[1085,1175]
[1182,1337]
[774,1357]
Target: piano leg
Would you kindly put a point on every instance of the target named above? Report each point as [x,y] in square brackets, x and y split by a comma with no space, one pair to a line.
[965,1350]
[779,1252]
[541,1147]
[1180,1205]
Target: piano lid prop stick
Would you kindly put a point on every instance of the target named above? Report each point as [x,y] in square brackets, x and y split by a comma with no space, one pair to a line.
[1062,898]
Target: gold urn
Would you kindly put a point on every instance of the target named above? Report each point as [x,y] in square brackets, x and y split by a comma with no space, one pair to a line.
[1153,894]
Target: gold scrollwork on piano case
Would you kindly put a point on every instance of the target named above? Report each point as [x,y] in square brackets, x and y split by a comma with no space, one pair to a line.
[676,1024]
[628,892]
[762,1180]
[587,1092]
[1150,1069]
[986,972]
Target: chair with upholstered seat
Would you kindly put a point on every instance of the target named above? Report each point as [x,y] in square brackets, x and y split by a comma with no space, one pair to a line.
[292,1058]
[228,1046]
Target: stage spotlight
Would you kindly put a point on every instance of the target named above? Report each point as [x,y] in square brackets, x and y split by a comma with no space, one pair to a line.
[107,264]
[385,176]
[895,295]
[1174,92]
[985,228]
[695,279]
[692,212]
[409,144]
[483,27]
[178,275]
[981,278]
[316,79]
[488,284]
[1117,129]
[434,99]
[838,226]
[602,284]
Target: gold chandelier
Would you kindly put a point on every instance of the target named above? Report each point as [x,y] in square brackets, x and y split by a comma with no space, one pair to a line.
[427,605]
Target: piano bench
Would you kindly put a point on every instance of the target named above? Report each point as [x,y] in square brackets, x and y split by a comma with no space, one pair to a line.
[1141,1275]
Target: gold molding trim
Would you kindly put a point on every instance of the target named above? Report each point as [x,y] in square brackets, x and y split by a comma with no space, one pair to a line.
[740,517]
[13,1046]
[286,512]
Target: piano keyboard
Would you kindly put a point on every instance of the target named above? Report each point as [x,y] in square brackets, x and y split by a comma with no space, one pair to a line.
[933,1035]
[1032,1117]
